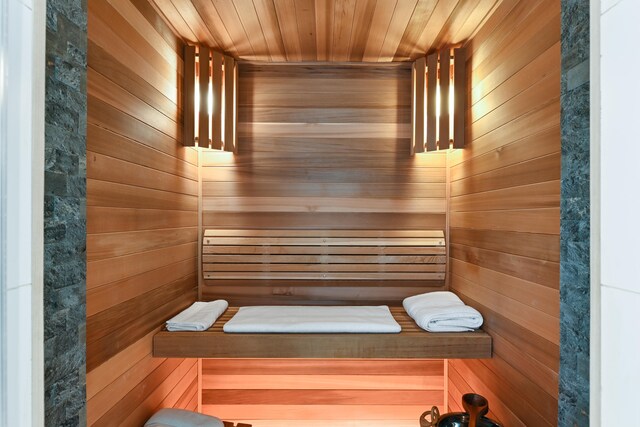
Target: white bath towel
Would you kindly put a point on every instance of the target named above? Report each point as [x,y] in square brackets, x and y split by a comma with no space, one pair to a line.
[199,317]
[313,319]
[442,312]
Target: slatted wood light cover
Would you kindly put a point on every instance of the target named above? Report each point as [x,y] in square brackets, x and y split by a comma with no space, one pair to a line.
[438,123]
[209,99]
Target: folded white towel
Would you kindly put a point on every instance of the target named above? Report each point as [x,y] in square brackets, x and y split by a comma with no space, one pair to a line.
[442,312]
[313,319]
[430,299]
[199,317]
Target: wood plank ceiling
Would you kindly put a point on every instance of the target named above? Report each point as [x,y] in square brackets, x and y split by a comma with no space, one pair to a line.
[326,30]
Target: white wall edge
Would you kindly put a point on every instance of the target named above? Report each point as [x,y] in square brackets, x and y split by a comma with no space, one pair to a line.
[37,220]
[595,409]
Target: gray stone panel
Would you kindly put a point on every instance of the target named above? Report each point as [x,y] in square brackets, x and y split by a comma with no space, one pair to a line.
[65,213]
[573,402]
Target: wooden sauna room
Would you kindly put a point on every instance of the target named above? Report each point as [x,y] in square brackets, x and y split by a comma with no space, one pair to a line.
[317,186]
[289,164]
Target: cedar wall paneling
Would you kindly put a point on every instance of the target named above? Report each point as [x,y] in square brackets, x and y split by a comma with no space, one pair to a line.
[319,393]
[142,199]
[325,147]
[322,147]
[505,216]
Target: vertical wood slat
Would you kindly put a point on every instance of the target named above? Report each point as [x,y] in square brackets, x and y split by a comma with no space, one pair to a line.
[188,133]
[418,104]
[203,81]
[432,83]
[459,96]
[445,62]
[230,74]
[216,116]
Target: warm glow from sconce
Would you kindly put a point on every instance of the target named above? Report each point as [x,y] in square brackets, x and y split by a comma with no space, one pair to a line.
[451,105]
[196,106]
[439,107]
[204,99]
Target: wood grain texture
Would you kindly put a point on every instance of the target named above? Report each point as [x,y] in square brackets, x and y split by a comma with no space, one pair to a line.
[333,256]
[505,220]
[326,30]
[320,150]
[345,382]
[141,216]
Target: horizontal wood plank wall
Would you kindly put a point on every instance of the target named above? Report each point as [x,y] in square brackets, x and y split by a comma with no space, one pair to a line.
[322,147]
[319,393]
[505,216]
[142,217]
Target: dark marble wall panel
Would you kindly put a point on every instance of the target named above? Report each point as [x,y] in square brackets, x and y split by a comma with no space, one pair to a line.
[573,402]
[65,219]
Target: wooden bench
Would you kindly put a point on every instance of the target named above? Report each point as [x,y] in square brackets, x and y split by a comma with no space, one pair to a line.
[332,258]
[411,343]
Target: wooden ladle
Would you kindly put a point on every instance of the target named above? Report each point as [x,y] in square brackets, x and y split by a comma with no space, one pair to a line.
[476,406]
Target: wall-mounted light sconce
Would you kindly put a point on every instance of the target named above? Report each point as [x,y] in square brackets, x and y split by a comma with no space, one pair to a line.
[209,99]
[439,101]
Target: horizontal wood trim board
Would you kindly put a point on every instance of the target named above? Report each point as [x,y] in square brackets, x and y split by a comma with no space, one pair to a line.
[108,245]
[113,220]
[333,190]
[111,194]
[368,367]
[276,251]
[286,381]
[326,130]
[312,160]
[322,412]
[389,261]
[321,204]
[296,173]
[312,267]
[319,275]
[324,220]
[319,397]
[323,115]
[322,239]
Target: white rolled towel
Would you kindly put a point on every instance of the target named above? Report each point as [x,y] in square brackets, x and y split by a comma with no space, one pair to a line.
[442,312]
[198,317]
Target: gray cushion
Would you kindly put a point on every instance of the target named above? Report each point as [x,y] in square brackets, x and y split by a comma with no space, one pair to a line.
[181,418]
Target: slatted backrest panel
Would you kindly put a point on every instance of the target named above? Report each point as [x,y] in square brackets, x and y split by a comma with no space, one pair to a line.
[325,255]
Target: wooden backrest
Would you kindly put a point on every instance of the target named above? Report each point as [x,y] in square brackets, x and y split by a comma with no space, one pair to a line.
[325,255]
